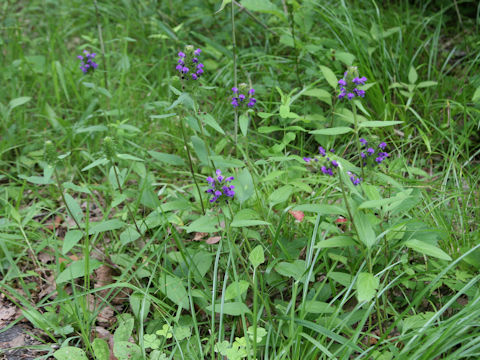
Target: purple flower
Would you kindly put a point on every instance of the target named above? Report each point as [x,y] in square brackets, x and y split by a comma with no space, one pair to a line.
[363,155]
[350,96]
[322,151]
[234,102]
[185,69]
[342,94]
[179,67]
[219,187]
[195,60]
[235,90]
[354,179]
[360,93]
[197,52]
[194,76]
[181,54]
[370,151]
[342,82]
[87,64]
[307,159]
[382,145]
[334,163]
[251,91]
[241,97]
[199,71]
[363,141]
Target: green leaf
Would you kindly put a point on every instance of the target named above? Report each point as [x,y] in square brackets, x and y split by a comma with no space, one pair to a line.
[232,308]
[427,249]
[244,188]
[476,95]
[412,75]
[295,269]
[336,241]
[72,237]
[332,131]
[174,289]
[224,3]
[425,84]
[125,350]
[243,122]
[263,6]
[318,307]
[322,209]
[367,286]
[257,256]
[245,223]
[74,209]
[38,180]
[100,349]
[365,230]
[137,302]
[377,123]
[76,270]
[124,329]
[96,163]
[18,102]
[329,76]
[205,223]
[167,158]
[284,111]
[210,121]
[106,225]
[129,157]
[70,353]
[320,94]
[236,289]
[280,195]
[200,149]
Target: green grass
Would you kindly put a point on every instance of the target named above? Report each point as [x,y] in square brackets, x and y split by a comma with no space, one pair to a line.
[185,279]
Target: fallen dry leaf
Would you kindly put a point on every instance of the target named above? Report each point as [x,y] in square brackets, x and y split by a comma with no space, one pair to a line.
[199,236]
[213,240]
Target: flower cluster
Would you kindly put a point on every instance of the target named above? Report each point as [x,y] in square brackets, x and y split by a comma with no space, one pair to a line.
[186,64]
[331,164]
[240,99]
[87,65]
[381,154]
[355,179]
[349,84]
[219,187]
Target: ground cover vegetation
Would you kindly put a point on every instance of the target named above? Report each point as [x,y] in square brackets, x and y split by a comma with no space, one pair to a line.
[239,179]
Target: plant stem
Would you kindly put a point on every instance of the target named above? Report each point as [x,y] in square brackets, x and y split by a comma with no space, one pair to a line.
[234,50]
[190,163]
[357,137]
[102,45]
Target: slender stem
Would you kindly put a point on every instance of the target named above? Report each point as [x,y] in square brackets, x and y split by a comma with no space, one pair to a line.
[102,45]
[190,163]
[234,50]
[357,137]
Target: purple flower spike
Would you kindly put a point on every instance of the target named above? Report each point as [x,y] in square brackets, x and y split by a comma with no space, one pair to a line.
[87,64]
[219,188]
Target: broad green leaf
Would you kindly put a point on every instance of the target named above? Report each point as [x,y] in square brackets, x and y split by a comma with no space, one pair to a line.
[91,129]
[129,235]
[76,270]
[205,223]
[427,249]
[74,209]
[377,123]
[243,122]
[367,286]
[224,3]
[138,301]
[167,158]
[125,350]
[96,163]
[19,101]
[280,195]
[365,229]
[336,241]
[329,76]
[476,95]
[412,75]
[318,307]
[72,237]
[263,6]
[376,204]
[129,157]
[322,209]
[200,149]
[106,225]
[231,308]
[244,188]
[124,329]
[236,289]
[210,121]
[70,353]
[249,222]
[320,94]
[184,99]
[296,269]
[332,131]
[100,349]
[425,84]
[341,277]
[257,256]
[38,180]
[174,289]
[77,188]
[284,111]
